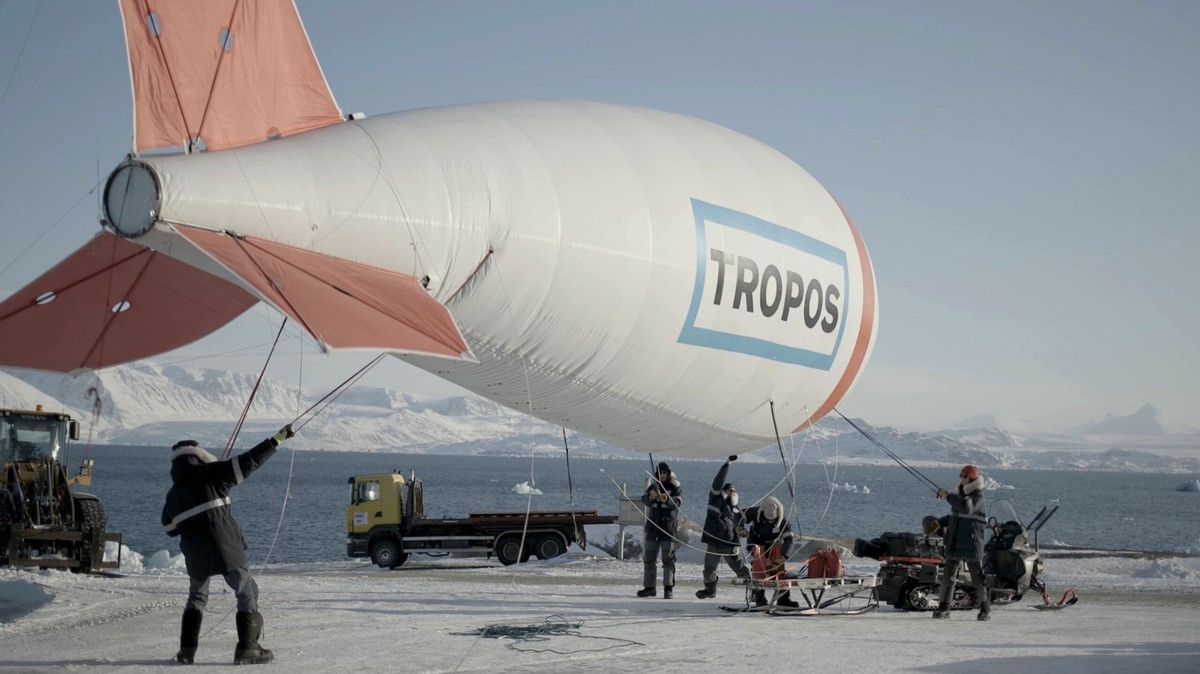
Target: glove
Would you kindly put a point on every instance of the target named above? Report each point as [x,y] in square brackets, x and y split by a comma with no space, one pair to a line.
[742,533]
[942,493]
[653,494]
[731,459]
[662,496]
[283,434]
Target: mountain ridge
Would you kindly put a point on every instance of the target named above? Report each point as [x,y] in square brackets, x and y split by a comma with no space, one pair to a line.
[147,404]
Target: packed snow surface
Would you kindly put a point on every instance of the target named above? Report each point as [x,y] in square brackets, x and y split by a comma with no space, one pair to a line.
[1137,613]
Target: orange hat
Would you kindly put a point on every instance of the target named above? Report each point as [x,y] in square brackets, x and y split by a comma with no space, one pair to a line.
[970,472]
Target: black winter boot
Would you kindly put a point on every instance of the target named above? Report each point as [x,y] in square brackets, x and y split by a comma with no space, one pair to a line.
[785,601]
[943,611]
[189,636]
[758,598]
[647,592]
[709,591]
[668,591]
[248,651]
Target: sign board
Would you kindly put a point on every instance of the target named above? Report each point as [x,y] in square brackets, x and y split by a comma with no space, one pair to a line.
[630,511]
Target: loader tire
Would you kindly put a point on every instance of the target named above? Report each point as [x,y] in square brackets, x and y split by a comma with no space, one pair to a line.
[90,516]
[5,526]
[90,513]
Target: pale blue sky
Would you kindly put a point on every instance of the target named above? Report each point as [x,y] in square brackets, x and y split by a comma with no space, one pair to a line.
[1026,175]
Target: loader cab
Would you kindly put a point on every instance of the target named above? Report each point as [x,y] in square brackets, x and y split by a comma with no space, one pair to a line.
[35,436]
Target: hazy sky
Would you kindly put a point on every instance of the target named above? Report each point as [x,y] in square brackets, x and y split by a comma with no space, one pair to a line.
[1026,175]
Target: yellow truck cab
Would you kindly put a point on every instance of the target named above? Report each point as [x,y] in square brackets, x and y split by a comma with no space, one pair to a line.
[386,521]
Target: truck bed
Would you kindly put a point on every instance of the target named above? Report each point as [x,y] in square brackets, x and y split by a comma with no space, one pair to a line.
[518,519]
[538,517]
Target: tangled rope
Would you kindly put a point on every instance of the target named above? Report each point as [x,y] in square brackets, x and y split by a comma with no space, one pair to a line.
[543,631]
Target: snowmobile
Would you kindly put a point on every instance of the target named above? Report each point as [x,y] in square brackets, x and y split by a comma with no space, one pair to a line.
[912,570]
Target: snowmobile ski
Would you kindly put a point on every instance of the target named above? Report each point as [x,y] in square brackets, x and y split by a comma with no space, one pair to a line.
[1062,603]
[815,611]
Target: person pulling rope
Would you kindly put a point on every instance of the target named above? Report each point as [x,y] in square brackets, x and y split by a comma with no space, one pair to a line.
[197,510]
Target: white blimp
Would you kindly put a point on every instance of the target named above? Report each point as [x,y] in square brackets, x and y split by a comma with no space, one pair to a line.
[645,278]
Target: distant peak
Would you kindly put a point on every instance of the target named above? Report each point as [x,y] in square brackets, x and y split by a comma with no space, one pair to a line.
[1145,421]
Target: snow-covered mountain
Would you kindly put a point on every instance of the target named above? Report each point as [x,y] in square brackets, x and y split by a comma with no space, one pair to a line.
[1003,422]
[148,404]
[1148,420]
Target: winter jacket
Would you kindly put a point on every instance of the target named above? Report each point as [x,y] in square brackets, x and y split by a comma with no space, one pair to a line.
[723,518]
[967,525]
[662,517]
[197,507]
[764,532]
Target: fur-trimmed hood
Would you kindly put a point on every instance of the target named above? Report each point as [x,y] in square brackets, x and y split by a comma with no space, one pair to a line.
[186,454]
[672,480]
[184,449]
[771,511]
[972,486]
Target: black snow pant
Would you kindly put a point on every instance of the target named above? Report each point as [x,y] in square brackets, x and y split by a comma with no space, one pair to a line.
[652,549]
[239,580]
[975,568]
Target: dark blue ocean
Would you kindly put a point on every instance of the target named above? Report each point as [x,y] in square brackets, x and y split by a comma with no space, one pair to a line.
[1129,511]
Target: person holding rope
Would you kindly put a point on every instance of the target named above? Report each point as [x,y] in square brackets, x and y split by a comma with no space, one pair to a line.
[662,498]
[721,526]
[963,533]
[769,528]
[197,510]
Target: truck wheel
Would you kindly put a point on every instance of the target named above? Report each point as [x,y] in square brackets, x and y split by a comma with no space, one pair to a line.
[549,546]
[386,554]
[508,550]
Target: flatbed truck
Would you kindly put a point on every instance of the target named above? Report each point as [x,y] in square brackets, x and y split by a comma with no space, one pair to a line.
[386,521]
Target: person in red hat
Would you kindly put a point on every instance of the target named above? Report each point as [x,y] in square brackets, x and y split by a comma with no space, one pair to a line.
[964,536]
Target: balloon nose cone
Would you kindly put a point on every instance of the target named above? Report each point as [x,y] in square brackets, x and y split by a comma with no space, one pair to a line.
[131,199]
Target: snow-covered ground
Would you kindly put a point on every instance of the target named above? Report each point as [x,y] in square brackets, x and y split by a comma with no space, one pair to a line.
[1136,614]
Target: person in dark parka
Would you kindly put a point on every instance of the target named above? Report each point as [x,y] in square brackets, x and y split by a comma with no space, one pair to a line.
[662,498]
[964,531]
[197,510]
[767,526]
[721,526]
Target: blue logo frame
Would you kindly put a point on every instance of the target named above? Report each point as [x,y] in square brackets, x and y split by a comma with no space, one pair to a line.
[755,346]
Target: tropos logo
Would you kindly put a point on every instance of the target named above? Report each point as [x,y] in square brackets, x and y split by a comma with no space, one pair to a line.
[765,290]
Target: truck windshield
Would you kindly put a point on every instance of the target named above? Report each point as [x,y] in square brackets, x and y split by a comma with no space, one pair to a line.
[367,490]
[30,437]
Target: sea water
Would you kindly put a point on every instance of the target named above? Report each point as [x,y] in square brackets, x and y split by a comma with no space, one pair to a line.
[294,506]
